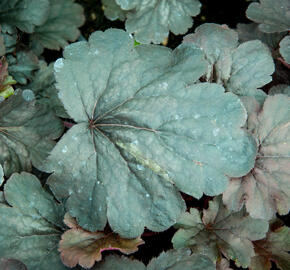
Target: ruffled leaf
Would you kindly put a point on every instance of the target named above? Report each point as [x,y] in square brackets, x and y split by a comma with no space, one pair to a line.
[78,246]
[220,231]
[265,190]
[139,117]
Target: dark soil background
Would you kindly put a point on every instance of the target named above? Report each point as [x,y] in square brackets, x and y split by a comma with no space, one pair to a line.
[230,12]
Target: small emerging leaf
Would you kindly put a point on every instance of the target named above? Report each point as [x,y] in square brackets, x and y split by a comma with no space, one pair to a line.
[274,248]
[78,246]
[220,231]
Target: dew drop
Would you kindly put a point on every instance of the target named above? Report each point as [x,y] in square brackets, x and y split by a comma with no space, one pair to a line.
[64,149]
[215,132]
[147,195]
[28,95]
[140,167]
[196,116]
[96,52]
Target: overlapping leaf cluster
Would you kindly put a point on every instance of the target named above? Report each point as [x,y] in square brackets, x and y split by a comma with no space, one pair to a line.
[145,123]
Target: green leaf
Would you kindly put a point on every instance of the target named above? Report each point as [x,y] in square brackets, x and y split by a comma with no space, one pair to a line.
[27,132]
[265,190]
[151,21]
[274,248]
[23,66]
[78,246]
[280,89]
[285,48]
[170,260]
[30,229]
[113,11]
[11,264]
[251,31]
[241,69]
[43,85]
[144,131]
[220,231]
[24,14]
[272,15]
[61,26]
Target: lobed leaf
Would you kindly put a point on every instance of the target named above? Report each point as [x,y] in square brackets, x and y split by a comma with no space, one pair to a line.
[78,246]
[241,69]
[61,26]
[43,85]
[272,15]
[280,89]
[144,131]
[172,259]
[251,31]
[274,248]
[24,14]
[220,231]
[285,48]
[27,132]
[151,21]
[31,226]
[22,66]
[266,190]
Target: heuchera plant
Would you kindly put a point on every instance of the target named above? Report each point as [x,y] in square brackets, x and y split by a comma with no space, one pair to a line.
[119,136]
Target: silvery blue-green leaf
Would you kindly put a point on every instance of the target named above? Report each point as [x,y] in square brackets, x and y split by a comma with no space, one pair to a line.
[220,231]
[113,11]
[285,48]
[180,259]
[24,14]
[251,69]
[280,89]
[27,132]
[151,21]
[9,34]
[43,85]
[145,130]
[172,259]
[240,69]
[265,190]
[22,67]
[272,15]
[218,43]
[1,175]
[61,26]
[31,225]
[251,31]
